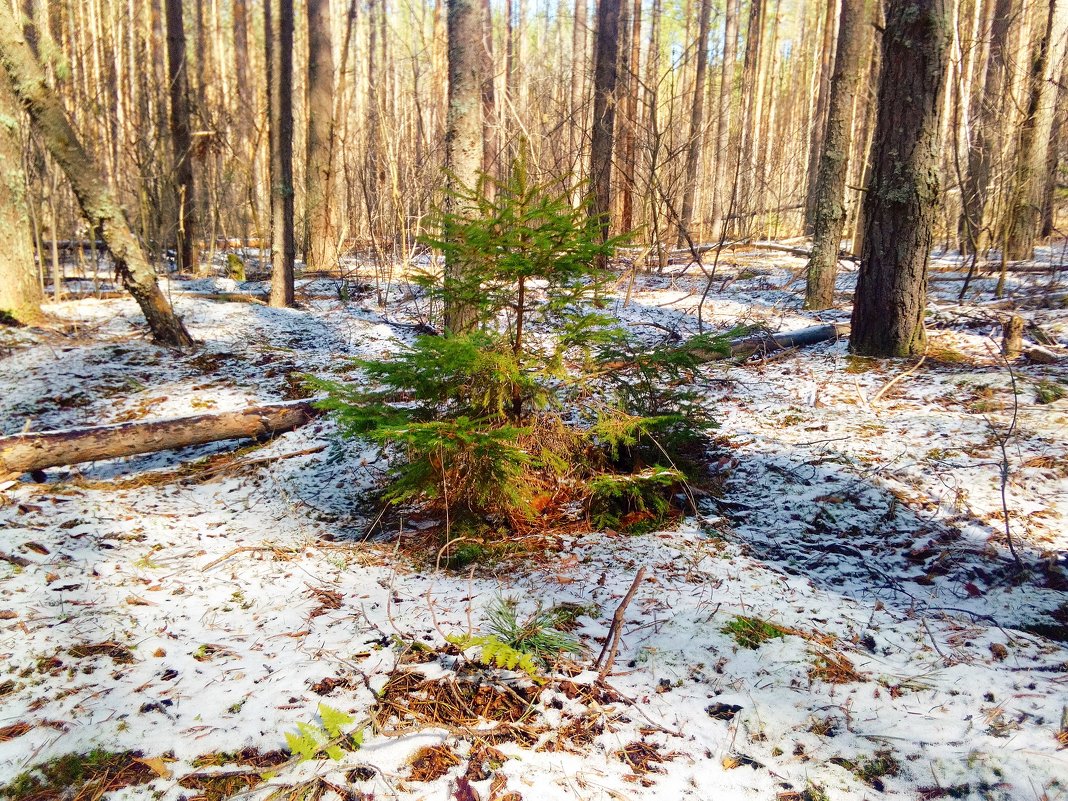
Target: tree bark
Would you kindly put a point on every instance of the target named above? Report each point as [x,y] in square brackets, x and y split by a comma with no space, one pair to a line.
[95,198]
[278,27]
[25,453]
[463,143]
[489,100]
[721,184]
[1025,207]
[629,139]
[185,226]
[20,289]
[819,119]
[605,76]
[697,121]
[319,241]
[830,213]
[901,201]
[577,121]
[973,227]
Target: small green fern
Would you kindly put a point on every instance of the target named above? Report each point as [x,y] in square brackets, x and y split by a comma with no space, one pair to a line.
[312,740]
[495,653]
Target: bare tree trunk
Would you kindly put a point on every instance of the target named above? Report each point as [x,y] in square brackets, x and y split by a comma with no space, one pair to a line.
[318,213]
[604,114]
[974,225]
[629,146]
[874,71]
[577,121]
[830,214]
[1025,213]
[20,289]
[489,101]
[95,198]
[819,120]
[751,102]
[721,185]
[1056,144]
[278,27]
[463,143]
[185,227]
[697,120]
[902,199]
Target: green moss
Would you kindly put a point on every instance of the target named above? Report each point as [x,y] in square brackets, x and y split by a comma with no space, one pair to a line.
[63,776]
[752,632]
[1049,392]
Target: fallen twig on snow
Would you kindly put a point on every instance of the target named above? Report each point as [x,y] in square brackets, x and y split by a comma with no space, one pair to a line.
[615,631]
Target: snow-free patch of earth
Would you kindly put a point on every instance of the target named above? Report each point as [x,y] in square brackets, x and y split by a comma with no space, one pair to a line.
[197,616]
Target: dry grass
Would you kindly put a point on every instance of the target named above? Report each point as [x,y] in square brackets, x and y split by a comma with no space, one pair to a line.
[80,777]
[833,667]
[432,762]
[463,704]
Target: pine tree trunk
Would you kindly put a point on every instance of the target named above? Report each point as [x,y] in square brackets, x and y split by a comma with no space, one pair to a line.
[604,114]
[721,184]
[830,214]
[902,199]
[751,107]
[95,198]
[1053,153]
[697,119]
[973,227]
[278,27]
[489,100]
[871,114]
[20,289]
[185,226]
[577,121]
[319,243]
[819,119]
[1025,209]
[463,136]
[629,144]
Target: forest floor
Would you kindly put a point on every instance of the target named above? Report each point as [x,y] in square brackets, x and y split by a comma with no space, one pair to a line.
[843,622]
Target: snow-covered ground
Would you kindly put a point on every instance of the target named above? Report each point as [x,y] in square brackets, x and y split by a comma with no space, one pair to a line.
[209,611]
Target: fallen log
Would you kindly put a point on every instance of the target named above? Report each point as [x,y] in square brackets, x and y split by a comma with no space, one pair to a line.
[765,342]
[27,453]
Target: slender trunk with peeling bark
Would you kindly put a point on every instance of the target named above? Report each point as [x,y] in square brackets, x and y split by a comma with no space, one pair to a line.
[97,202]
